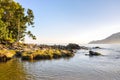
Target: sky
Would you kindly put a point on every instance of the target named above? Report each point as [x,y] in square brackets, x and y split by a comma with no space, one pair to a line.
[73,21]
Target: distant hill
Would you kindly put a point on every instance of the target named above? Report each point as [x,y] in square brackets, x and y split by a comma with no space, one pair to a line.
[113,39]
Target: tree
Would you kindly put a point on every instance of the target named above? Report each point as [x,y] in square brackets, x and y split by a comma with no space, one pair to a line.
[14,20]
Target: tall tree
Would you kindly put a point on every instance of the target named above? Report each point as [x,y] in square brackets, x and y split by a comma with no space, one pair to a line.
[14,20]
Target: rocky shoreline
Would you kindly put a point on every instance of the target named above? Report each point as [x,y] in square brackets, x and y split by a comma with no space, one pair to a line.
[36,52]
[41,52]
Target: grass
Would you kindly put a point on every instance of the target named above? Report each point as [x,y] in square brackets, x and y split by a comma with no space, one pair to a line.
[46,54]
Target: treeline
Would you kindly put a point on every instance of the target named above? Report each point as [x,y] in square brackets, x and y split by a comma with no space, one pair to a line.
[14,20]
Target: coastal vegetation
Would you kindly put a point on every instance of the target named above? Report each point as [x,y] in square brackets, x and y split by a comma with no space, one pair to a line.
[14,21]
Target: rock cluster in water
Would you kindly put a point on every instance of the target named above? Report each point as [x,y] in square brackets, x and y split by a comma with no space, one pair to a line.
[36,52]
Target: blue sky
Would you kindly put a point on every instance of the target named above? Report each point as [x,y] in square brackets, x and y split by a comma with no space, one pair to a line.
[76,21]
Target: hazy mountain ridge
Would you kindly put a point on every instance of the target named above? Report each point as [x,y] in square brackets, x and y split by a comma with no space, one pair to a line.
[113,39]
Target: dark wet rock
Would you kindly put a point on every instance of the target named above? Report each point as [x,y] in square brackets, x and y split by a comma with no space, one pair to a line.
[92,53]
[18,53]
[97,47]
[72,46]
[83,47]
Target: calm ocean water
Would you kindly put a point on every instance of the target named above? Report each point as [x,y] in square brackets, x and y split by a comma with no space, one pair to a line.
[79,67]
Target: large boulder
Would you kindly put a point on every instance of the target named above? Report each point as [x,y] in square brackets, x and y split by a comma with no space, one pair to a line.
[72,46]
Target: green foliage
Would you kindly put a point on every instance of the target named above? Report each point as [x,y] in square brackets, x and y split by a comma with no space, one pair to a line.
[14,21]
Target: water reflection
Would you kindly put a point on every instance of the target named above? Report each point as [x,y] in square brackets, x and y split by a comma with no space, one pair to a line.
[12,70]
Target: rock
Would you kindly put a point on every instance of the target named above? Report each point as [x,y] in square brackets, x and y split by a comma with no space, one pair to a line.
[6,55]
[72,46]
[18,53]
[83,47]
[97,47]
[45,54]
[3,58]
[92,53]
[2,47]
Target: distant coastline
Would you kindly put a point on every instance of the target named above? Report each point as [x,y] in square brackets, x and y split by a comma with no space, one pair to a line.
[113,39]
